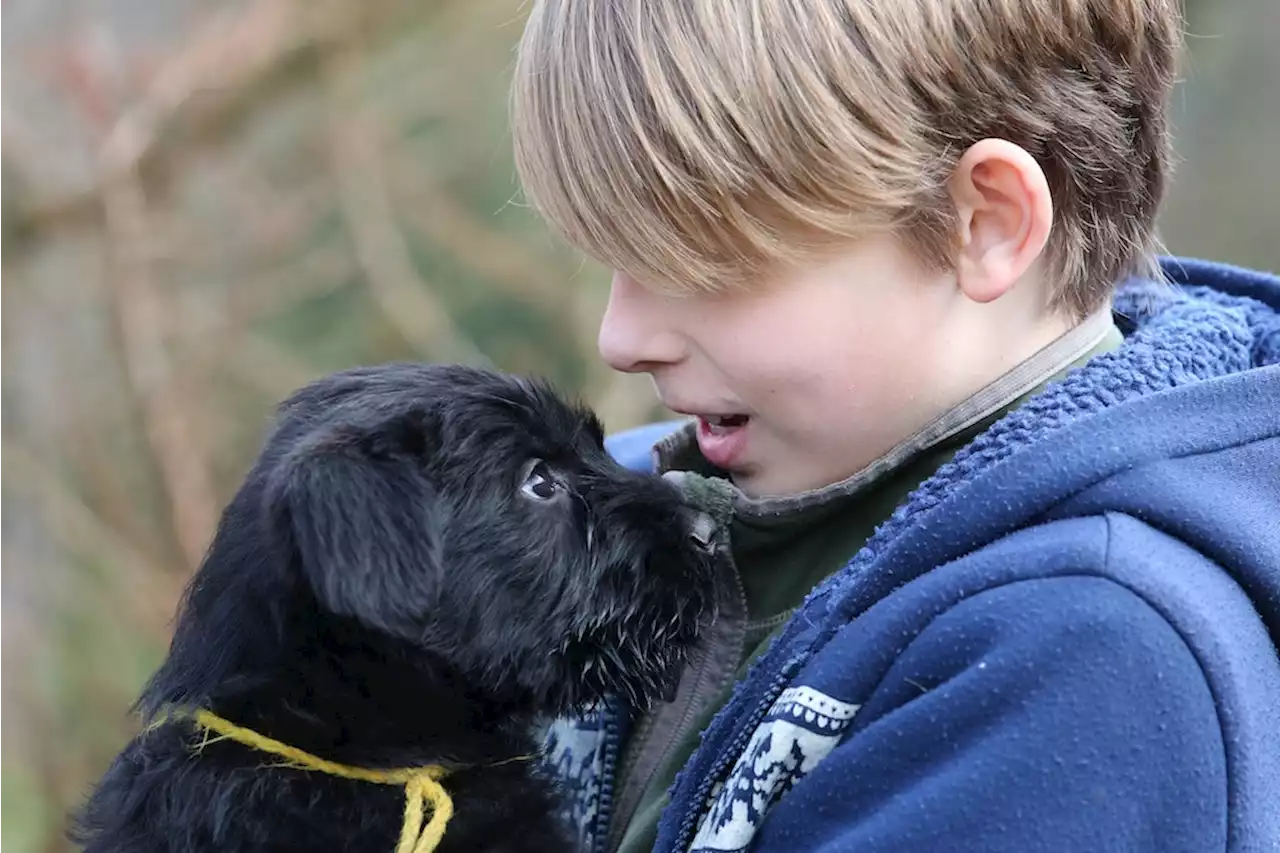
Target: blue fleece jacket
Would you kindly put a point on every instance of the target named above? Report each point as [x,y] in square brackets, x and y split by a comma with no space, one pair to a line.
[1066,639]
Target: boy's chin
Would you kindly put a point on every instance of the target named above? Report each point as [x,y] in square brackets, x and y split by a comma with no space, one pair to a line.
[759,482]
[769,479]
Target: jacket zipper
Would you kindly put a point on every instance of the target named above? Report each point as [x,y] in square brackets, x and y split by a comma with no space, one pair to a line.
[628,755]
[689,823]
[609,760]
[701,672]
[696,806]
[786,674]
[704,687]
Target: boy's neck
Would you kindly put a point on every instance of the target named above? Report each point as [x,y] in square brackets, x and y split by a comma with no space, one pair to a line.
[981,342]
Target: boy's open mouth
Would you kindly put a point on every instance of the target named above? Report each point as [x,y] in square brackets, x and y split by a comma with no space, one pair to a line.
[722,438]
[721,424]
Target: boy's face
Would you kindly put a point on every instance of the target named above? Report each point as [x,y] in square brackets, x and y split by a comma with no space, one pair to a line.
[800,381]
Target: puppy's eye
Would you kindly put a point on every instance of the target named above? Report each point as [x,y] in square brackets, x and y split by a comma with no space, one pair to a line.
[540,484]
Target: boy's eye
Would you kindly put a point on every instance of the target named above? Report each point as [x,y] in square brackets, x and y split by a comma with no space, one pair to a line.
[540,484]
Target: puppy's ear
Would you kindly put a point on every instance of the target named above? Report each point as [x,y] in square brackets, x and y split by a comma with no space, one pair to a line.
[365,528]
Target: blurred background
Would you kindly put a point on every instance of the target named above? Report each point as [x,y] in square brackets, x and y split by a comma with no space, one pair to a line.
[208,203]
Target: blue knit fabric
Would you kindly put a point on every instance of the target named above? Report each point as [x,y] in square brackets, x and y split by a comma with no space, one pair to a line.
[1065,639]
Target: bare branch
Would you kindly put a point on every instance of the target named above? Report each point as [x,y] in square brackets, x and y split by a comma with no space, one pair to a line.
[315,273]
[144,320]
[149,590]
[209,86]
[404,298]
[478,245]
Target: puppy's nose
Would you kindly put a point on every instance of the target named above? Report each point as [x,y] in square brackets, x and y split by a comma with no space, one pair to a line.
[702,532]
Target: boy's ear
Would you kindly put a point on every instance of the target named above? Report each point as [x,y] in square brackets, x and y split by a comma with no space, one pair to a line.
[364,528]
[1004,215]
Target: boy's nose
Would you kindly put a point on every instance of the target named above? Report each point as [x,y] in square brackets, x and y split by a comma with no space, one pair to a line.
[635,335]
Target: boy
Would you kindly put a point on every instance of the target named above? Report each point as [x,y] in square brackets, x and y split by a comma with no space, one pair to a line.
[1000,507]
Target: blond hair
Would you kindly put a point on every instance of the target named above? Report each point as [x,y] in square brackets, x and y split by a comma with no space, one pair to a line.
[695,144]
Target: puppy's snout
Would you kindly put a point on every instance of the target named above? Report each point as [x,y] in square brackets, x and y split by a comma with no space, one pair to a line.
[702,532]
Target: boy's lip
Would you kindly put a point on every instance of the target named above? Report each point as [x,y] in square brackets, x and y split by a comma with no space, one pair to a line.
[722,446]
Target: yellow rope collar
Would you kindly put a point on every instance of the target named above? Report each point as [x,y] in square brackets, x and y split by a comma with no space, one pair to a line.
[421,784]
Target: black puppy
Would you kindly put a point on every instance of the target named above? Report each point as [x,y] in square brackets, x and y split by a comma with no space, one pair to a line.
[423,564]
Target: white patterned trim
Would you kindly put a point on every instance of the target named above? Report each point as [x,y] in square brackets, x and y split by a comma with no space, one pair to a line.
[801,728]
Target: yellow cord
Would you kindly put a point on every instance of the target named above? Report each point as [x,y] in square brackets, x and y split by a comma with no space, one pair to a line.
[421,784]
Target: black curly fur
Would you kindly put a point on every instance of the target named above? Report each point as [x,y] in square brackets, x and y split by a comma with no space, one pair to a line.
[388,588]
